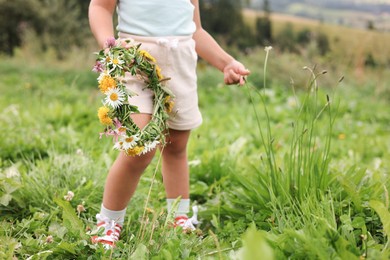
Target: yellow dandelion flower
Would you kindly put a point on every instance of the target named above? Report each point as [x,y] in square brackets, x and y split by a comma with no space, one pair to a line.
[106,121]
[168,103]
[135,150]
[147,55]
[149,210]
[342,136]
[158,72]
[106,83]
[103,116]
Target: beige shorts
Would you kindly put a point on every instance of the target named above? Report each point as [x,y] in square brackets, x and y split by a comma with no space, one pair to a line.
[177,59]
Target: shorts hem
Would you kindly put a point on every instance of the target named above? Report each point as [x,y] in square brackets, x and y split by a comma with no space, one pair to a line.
[183,127]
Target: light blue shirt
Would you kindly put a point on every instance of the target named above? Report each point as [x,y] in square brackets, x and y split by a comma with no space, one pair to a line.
[156,17]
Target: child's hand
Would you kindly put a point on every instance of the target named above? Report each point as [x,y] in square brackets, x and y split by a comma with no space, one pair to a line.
[234,73]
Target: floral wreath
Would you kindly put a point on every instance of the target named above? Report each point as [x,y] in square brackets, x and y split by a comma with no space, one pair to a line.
[112,63]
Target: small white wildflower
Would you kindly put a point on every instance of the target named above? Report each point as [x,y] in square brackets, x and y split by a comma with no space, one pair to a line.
[116,62]
[292,102]
[12,172]
[80,208]
[269,93]
[268,48]
[377,163]
[69,196]
[49,239]
[114,97]
[18,246]
[129,141]
[118,145]
[150,146]
[194,162]
[120,131]
[79,152]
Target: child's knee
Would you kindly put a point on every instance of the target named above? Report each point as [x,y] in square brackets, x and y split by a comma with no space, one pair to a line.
[138,162]
[177,143]
[175,149]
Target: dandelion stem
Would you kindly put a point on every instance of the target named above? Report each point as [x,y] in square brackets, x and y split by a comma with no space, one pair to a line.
[143,221]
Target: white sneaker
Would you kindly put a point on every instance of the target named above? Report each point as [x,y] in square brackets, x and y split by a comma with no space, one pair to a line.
[187,223]
[111,232]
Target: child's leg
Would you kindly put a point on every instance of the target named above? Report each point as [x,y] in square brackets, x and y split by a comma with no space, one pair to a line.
[125,173]
[175,171]
[122,180]
[175,166]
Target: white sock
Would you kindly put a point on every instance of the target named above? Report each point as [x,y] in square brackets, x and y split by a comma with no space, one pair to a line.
[183,207]
[117,215]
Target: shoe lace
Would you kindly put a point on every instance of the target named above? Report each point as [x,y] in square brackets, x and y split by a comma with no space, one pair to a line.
[108,225]
[190,222]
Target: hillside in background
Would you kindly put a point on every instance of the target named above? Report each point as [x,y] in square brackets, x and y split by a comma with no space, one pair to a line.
[360,13]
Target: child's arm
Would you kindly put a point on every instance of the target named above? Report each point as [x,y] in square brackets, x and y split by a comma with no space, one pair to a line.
[100,19]
[211,51]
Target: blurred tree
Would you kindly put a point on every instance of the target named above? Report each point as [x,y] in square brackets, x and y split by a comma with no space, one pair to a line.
[60,24]
[264,26]
[221,16]
[65,25]
[15,16]
[224,18]
[370,61]
[304,37]
[322,43]
[370,25]
[286,39]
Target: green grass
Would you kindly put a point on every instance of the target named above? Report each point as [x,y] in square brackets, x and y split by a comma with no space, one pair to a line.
[301,174]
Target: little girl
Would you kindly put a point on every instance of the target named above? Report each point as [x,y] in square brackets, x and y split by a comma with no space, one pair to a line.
[170,31]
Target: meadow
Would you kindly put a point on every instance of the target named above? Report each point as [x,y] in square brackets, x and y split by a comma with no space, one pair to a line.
[293,165]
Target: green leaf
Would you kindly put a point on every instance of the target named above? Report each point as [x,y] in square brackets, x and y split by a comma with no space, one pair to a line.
[383,213]
[358,222]
[343,246]
[41,255]
[140,253]
[57,230]
[5,199]
[255,245]
[67,247]
[70,219]
[166,254]
[215,222]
